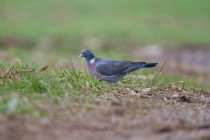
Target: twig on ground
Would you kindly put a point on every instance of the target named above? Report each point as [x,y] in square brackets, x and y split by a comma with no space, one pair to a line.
[44,68]
[158,73]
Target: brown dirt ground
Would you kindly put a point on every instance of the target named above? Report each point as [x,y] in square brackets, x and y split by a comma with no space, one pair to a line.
[170,114]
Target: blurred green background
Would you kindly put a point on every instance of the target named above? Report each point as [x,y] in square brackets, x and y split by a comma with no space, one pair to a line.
[48,30]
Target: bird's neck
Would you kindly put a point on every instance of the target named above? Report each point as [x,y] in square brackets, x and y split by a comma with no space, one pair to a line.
[91,61]
[88,59]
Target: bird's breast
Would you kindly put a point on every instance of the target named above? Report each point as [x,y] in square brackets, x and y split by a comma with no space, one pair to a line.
[91,67]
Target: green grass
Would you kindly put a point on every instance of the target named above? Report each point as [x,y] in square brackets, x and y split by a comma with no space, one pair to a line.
[19,82]
[26,88]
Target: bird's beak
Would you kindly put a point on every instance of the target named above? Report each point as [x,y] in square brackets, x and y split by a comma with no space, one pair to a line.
[81,55]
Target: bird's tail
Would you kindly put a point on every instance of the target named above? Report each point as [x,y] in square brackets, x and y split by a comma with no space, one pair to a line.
[150,65]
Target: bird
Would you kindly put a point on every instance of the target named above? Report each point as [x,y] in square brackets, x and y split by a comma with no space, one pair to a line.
[111,70]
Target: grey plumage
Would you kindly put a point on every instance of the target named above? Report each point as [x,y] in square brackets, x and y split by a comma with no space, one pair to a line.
[111,70]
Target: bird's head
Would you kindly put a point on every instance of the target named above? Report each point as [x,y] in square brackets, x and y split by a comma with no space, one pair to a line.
[87,54]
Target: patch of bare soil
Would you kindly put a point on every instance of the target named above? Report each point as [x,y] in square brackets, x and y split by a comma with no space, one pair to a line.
[173,113]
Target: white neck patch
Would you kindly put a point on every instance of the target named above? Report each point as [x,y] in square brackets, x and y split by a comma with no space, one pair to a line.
[92,61]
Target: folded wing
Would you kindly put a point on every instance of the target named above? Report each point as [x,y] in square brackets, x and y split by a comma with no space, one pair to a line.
[116,67]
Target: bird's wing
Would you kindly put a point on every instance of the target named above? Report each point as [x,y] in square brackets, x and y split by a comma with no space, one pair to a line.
[113,67]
